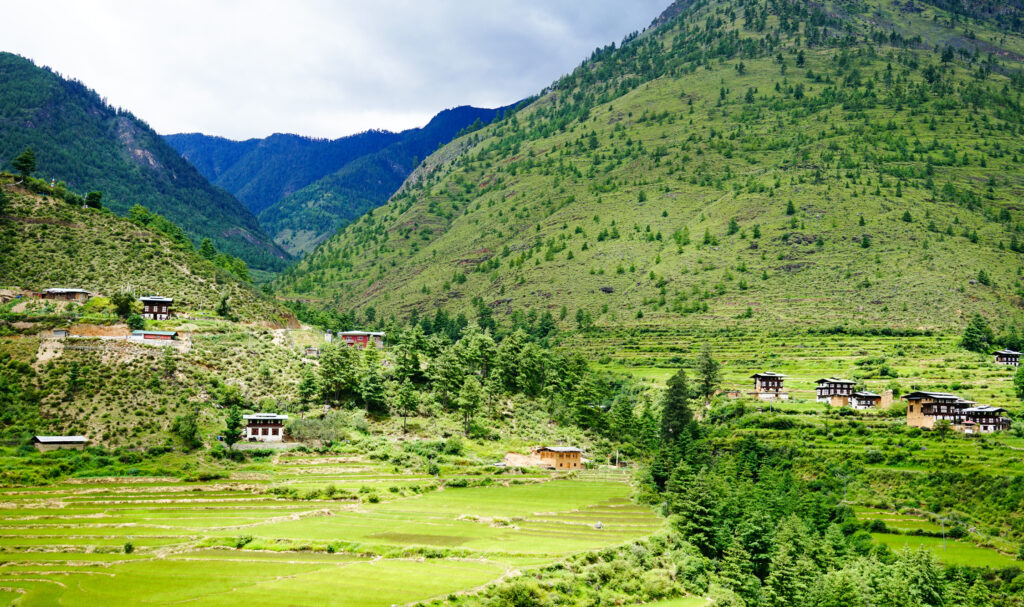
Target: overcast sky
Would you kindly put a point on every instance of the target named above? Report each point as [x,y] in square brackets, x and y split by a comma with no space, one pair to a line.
[249,68]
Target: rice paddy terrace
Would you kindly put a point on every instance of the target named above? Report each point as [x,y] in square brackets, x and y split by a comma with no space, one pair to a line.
[311,530]
[880,362]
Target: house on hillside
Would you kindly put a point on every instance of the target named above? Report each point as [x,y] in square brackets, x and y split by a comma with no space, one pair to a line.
[768,386]
[925,409]
[560,458]
[361,339]
[60,294]
[830,387]
[146,335]
[264,427]
[61,333]
[865,400]
[1008,357]
[155,307]
[312,352]
[52,443]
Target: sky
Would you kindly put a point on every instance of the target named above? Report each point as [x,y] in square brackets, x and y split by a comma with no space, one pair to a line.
[321,68]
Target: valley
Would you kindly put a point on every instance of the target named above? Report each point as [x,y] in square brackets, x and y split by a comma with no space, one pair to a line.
[730,314]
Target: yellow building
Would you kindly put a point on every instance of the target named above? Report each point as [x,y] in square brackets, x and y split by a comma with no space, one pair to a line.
[560,458]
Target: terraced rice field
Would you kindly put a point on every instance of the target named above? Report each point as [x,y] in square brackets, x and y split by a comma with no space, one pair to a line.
[916,363]
[233,542]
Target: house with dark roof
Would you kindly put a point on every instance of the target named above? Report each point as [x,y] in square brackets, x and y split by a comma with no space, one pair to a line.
[925,409]
[832,387]
[1008,357]
[768,386]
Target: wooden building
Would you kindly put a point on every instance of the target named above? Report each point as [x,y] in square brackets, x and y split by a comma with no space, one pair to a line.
[865,400]
[768,386]
[924,409]
[983,419]
[155,307]
[829,387]
[1008,357]
[146,335]
[560,458]
[78,295]
[361,339]
[264,427]
[52,443]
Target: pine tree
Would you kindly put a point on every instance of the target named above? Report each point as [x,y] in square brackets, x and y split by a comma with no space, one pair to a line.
[308,387]
[694,500]
[233,426]
[207,250]
[25,163]
[708,374]
[676,416]
[470,397]
[977,337]
[407,402]
[1018,382]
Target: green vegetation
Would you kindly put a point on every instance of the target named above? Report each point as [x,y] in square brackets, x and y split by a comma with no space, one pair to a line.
[595,196]
[60,129]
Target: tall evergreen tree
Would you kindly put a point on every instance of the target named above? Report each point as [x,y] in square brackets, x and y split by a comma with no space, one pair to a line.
[978,336]
[25,163]
[676,416]
[708,374]
[233,426]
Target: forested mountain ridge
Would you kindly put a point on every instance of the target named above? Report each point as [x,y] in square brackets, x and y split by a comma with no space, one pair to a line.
[81,140]
[743,162]
[303,189]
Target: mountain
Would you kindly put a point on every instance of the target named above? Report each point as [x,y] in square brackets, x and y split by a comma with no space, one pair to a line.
[79,139]
[737,164]
[307,217]
[303,189]
[47,242]
[262,171]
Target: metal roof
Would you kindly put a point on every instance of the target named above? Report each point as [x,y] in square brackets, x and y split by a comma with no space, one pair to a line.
[158,298]
[768,374]
[265,416]
[983,409]
[63,290]
[867,394]
[380,333]
[935,395]
[1010,352]
[833,380]
[144,332]
[561,449]
[60,439]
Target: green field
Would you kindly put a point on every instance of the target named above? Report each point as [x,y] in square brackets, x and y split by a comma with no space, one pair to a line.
[955,552]
[229,542]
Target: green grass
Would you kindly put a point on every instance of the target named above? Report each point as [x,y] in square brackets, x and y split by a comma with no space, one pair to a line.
[955,553]
[54,539]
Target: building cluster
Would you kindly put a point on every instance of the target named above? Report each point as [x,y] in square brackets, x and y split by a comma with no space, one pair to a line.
[924,409]
[154,307]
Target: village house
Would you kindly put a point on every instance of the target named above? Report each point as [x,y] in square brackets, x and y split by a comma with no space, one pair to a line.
[865,400]
[827,388]
[925,409]
[146,335]
[264,427]
[78,295]
[768,386]
[61,333]
[52,443]
[1008,357]
[361,339]
[312,352]
[559,458]
[155,307]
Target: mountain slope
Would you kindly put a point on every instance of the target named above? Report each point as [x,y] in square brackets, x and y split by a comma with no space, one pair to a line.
[79,139]
[303,219]
[262,171]
[46,242]
[747,163]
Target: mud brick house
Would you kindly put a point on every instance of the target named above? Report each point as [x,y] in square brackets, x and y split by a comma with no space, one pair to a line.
[560,458]
[768,386]
[59,294]
[53,443]
[264,427]
[829,387]
[155,307]
[925,409]
[1008,357]
[361,339]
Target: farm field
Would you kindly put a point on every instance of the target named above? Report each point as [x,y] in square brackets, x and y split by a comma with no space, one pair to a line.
[903,363]
[162,541]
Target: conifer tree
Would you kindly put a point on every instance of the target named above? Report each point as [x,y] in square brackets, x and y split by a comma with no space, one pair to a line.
[233,426]
[25,163]
[676,416]
[708,374]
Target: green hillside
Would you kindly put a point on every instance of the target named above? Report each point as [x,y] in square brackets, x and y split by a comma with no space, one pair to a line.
[80,140]
[49,243]
[748,163]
